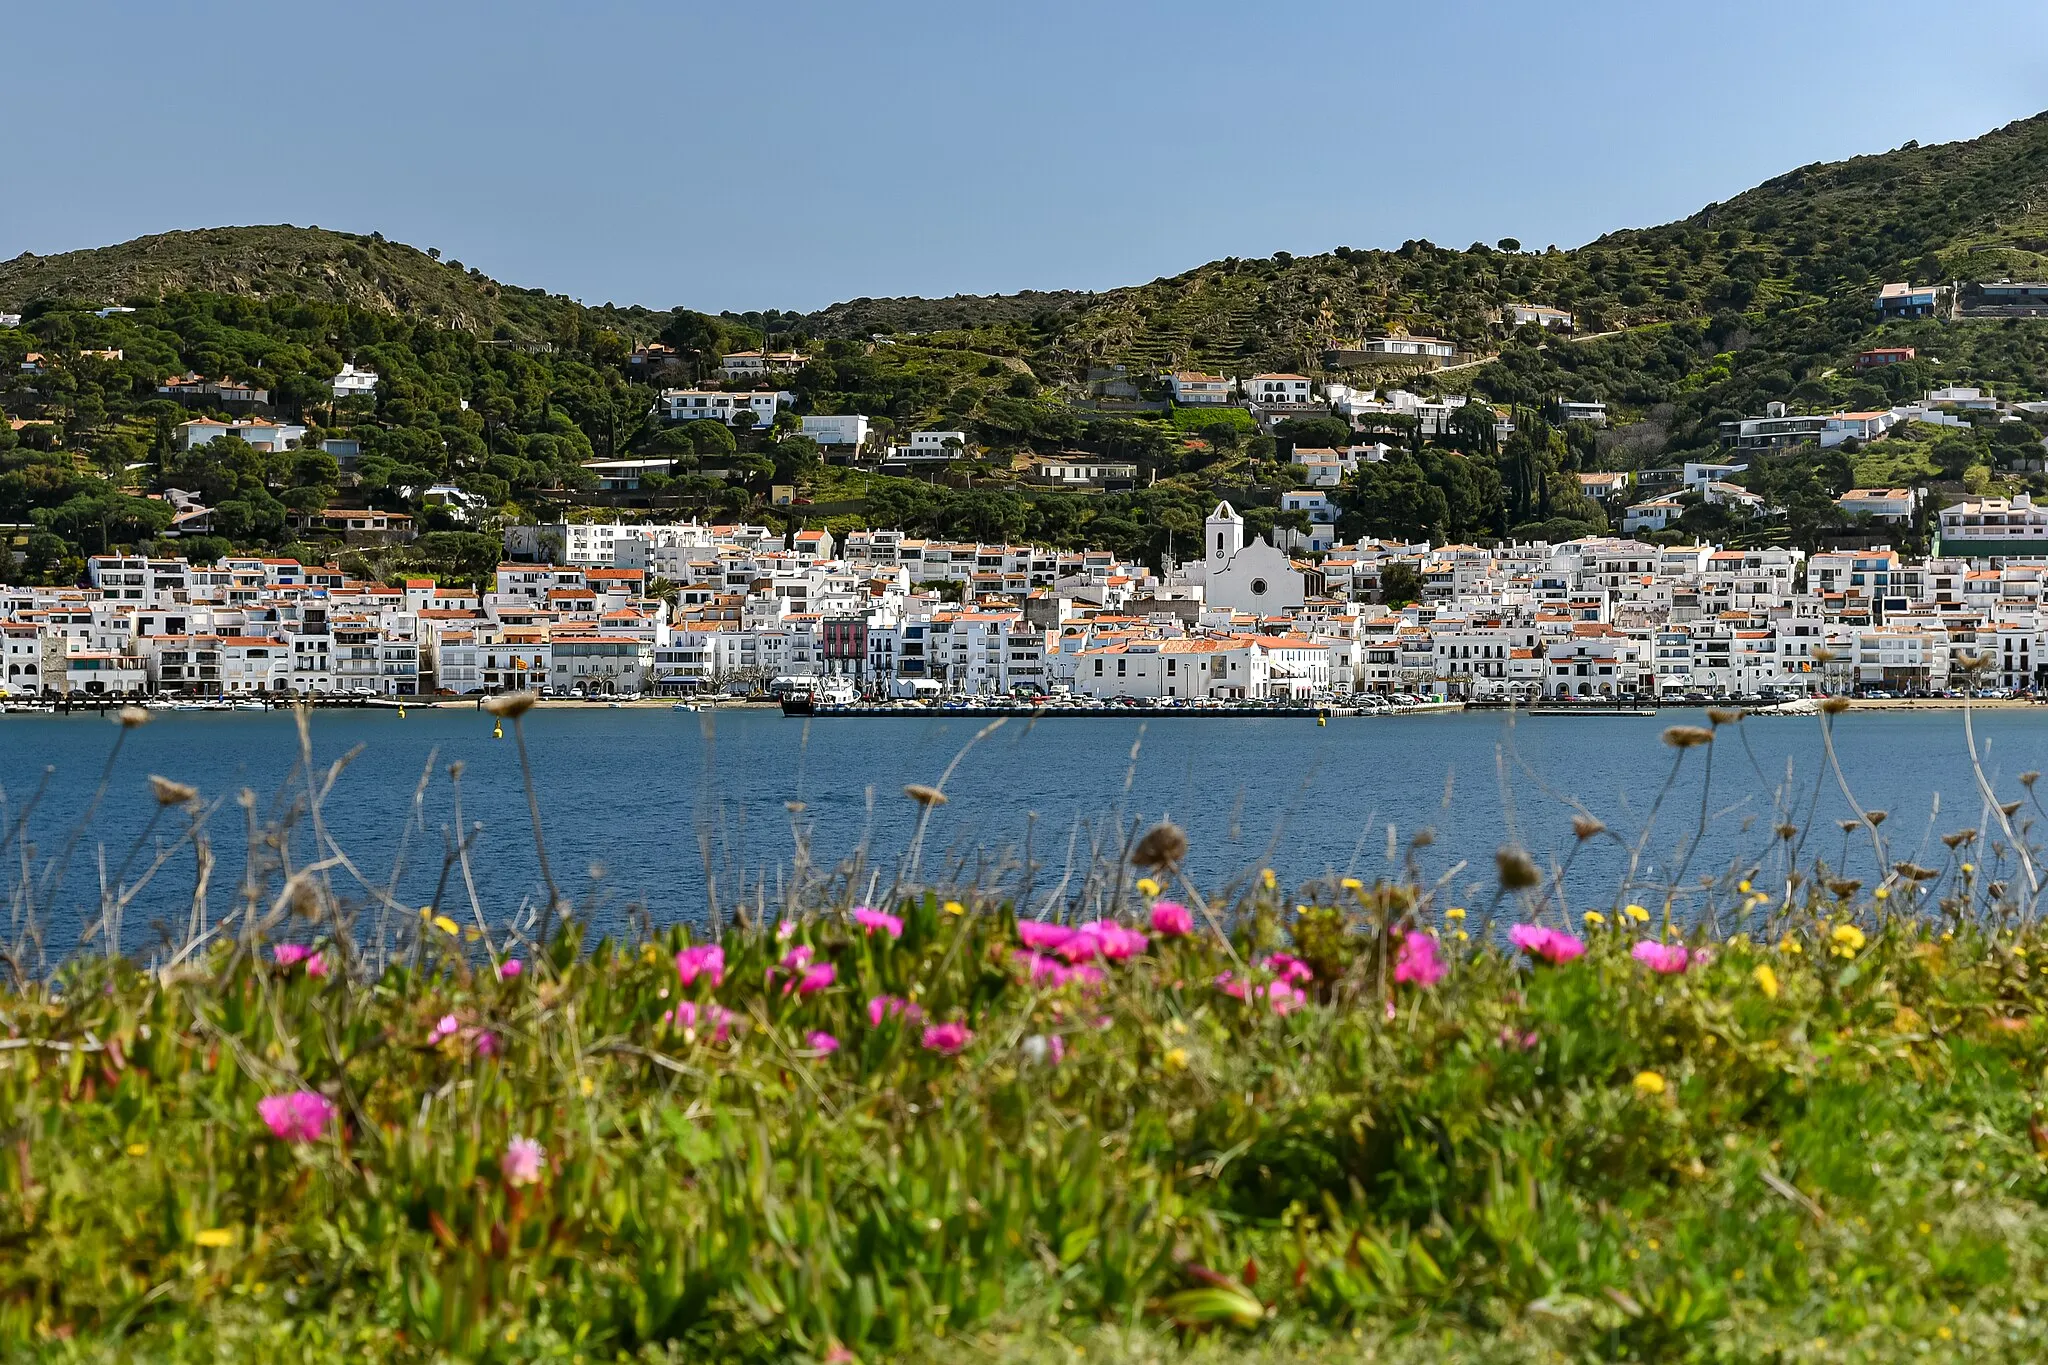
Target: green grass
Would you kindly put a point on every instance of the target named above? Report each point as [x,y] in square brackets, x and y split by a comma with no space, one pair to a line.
[1845,1160]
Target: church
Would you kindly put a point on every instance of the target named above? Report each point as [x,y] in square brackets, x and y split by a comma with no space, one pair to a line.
[1253,578]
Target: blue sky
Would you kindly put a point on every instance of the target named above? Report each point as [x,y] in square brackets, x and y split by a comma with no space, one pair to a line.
[793,154]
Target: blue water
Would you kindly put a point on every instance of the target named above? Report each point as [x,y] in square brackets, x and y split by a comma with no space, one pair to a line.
[640,806]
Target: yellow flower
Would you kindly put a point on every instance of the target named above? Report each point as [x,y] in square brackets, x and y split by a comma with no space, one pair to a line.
[1636,913]
[1882,893]
[1969,868]
[138,1149]
[648,953]
[471,934]
[1146,887]
[1267,879]
[2018,951]
[1649,1083]
[1353,884]
[1175,1059]
[1455,912]
[586,1085]
[1766,980]
[1743,886]
[1460,935]
[215,1237]
[1848,937]
[1789,944]
[1595,917]
[956,908]
[447,926]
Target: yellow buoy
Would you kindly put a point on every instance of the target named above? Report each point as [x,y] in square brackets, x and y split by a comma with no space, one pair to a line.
[1322,719]
[498,730]
[401,711]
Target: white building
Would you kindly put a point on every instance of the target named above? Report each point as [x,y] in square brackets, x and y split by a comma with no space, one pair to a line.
[271,436]
[1239,577]
[1891,505]
[1279,390]
[691,405]
[846,429]
[1433,347]
[1541,315]
[354,383]
[1995,528]
[1195,387]
[755,364]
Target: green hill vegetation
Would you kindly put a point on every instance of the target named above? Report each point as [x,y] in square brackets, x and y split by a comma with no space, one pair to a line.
[507,392]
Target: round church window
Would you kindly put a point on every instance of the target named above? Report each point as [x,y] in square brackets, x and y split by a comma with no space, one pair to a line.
[1258,587]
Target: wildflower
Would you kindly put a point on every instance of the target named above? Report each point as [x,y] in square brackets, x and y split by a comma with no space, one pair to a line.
[214,1237]
[706,959]
[1460,935]
[1455,912]
[1517,870]
[1649,1083]
[954,908]
[1175,1059]
[1666,959]
[1789,944]
[1882,893]
[1147,887]
[947,1038]
[1766,980]
[1039,935]
[289,954]
[447,926]
[1743,886]
[814,980]
[871,919]
[510,968]
[1170,919]
[1352,884]
[522,1161]
[784,930]
[316,966]
[1418,964]
[1848,940]
[1289,968]
[688,1016]
[1267,879]
[1552,945]
[1636,913]
[301,1116]
[1521,1042]
[446,1028]
[1594,918]
[892,1007]
[821,1041]
[798,958]
[1114,941]
[485,1042]
[1228,983]
[1044,1049]
[1042,970]
[1285,997]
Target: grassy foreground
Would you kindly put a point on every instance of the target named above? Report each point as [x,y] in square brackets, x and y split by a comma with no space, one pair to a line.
[838,1143]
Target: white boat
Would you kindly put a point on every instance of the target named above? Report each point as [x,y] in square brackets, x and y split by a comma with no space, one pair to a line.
[252,706]
[684,706]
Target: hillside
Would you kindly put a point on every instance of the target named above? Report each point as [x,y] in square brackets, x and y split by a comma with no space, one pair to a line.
[282,261]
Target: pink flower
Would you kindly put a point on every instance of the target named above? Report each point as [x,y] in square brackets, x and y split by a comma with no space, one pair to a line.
[812,981]
[1289,968]
[522,1161]
[444,1029]
[316,966]
[892,1007]
[1391,1011]
[1079,945]
[290,954]
[798,958]
[1418,964]
[1552,945]
[1044,971]
[1040,935]
[715,1017]
[1086,975]
[1228,983]
[947,1038]
[872,919]
[1114,941]
[1521,1042]
[1666,959]
[1046,1049]
[821,1041]
[301,1116]
[707,959]
[510,968]
[486,1043]
[1171,919]
[1285,997]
